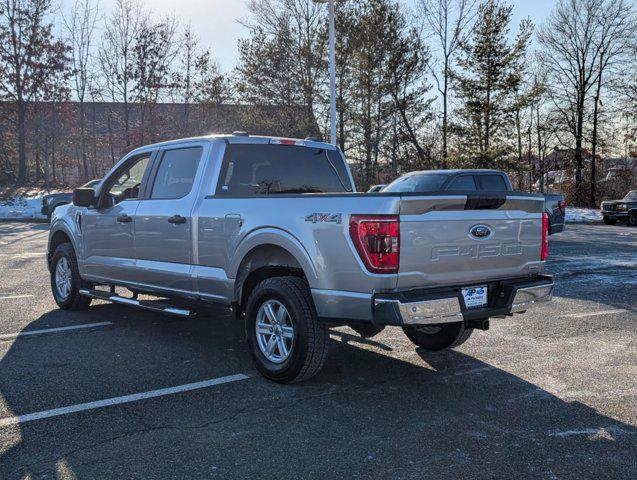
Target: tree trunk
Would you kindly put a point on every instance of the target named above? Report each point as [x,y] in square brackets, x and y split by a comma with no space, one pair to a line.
[445,113]
[394,149]
[592,199]
[540,150]
[23,174]
[87,174]
[518,129]
[579,162]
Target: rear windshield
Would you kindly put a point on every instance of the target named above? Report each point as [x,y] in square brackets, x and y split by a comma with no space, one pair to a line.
[250,170]
[418,183]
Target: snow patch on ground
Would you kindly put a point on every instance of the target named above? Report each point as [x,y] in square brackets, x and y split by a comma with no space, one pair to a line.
[585,215]
[22,207]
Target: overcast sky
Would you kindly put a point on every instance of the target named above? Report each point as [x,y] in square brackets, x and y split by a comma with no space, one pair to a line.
[215,21]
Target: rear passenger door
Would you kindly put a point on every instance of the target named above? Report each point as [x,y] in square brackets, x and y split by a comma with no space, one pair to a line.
[164,222]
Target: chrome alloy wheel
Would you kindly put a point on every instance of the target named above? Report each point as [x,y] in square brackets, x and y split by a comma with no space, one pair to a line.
[275,331]
[63,278]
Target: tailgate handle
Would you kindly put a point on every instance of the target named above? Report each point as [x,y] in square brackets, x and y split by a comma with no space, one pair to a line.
[484,202]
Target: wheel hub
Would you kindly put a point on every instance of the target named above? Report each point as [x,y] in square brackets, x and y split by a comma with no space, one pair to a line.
[274,331]
[63,278]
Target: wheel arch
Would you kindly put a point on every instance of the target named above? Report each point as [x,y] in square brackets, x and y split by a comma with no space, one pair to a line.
[57,238]
[269,253]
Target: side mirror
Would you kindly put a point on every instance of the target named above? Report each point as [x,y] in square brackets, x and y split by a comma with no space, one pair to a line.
[84,197]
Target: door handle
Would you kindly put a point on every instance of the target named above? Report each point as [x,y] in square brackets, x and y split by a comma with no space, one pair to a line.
[177,219]
[124,219]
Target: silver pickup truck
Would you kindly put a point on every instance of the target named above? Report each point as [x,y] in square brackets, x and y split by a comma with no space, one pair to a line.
[274,229]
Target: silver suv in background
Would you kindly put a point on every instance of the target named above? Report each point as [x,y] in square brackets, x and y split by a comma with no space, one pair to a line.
[274,229]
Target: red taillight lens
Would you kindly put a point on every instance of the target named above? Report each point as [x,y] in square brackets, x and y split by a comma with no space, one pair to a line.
[562,205]
[545,237]
[377,240]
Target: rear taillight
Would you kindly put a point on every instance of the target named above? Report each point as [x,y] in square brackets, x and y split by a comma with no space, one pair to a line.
[377,240]
[562,206]
[545,237]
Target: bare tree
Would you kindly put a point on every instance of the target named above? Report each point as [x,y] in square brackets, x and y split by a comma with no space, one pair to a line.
[32,61]
[154,51]
[447,21]
[80,28]
[571,57]
[117,55]
[617,24]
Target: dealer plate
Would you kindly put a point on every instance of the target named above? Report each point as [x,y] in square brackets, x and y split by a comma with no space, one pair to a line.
[475,297]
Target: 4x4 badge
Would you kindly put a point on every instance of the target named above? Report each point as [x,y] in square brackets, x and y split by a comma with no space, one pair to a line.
[324,217]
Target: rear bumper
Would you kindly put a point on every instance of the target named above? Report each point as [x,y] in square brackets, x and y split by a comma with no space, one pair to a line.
[445,305]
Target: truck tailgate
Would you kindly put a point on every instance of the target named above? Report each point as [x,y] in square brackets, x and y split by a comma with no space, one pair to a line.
[463,239]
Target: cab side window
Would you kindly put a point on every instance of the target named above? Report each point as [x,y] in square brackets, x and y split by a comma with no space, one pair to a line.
[127,184]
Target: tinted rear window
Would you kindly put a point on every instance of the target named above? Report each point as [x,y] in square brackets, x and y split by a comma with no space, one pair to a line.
[250,170]
[492,182]
[462,183]
[418,183]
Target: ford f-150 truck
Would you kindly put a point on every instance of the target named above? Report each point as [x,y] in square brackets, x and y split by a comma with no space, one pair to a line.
[274,229]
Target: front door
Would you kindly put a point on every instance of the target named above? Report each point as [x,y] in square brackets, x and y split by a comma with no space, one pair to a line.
[109,229]
[163,223]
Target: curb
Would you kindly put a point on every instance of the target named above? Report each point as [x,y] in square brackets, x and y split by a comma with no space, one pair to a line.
[23,220]
[584,222]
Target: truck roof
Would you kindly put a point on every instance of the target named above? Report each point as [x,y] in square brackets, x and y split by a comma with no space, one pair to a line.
[241,138]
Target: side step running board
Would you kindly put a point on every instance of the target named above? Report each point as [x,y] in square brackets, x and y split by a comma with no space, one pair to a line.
[133,302]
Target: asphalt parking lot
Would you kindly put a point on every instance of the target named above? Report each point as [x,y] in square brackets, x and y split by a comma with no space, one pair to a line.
[551,394]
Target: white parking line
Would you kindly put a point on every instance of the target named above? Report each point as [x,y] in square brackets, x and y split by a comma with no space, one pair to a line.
[11,297]
[9,336]
[119,400]
[593,314]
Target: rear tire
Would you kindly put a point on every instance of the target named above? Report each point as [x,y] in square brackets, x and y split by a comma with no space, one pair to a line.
[438,337]
[65,279]
[631,219]
[610,221]
[300,341]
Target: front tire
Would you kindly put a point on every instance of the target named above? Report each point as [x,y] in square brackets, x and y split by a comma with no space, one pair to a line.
[438,337]
[631,219]
[286,340]
[66,280]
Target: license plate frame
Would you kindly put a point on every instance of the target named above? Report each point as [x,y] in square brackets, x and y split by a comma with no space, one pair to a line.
[475,297]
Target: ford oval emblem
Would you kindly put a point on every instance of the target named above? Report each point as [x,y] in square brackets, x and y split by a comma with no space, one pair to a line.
[480,232]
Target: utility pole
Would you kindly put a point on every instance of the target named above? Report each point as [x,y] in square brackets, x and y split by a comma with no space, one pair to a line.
[332,14]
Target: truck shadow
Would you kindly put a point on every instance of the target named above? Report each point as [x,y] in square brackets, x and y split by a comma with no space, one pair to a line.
[373,415]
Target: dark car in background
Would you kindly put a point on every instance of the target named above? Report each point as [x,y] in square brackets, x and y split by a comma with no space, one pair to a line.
[624,210]
[54,200]
[474,181]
